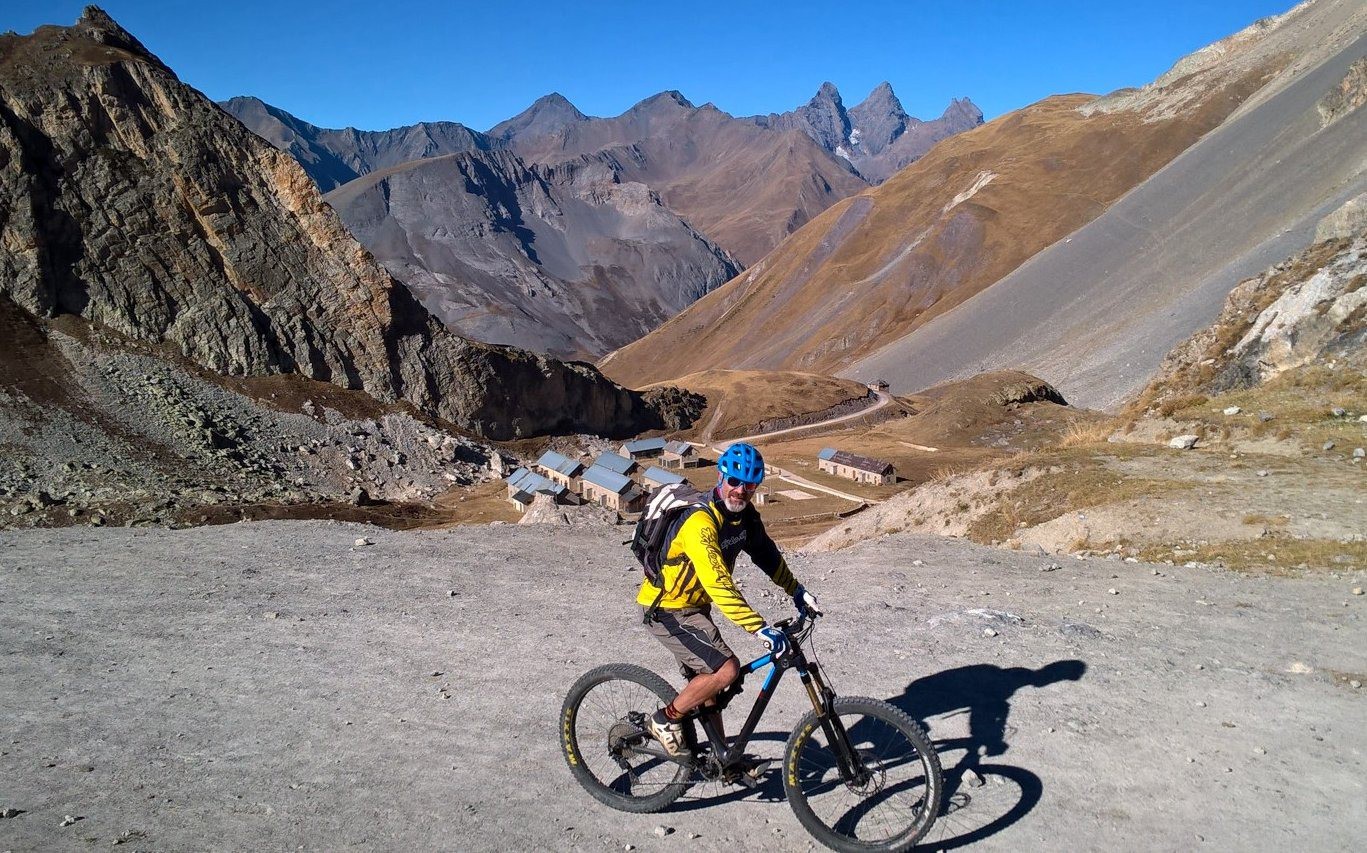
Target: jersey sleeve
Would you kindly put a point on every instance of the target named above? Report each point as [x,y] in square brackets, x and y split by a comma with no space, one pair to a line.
[765,554]
[699,538]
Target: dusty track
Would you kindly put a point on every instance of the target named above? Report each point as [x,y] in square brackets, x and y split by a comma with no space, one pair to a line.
[271,686]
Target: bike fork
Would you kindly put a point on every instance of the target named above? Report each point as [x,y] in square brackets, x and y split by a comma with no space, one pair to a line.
[851,768]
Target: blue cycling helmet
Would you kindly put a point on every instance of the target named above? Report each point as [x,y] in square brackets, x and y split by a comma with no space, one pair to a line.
[743,462]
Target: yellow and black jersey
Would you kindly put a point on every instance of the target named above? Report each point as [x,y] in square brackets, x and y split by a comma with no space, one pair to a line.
[698,565]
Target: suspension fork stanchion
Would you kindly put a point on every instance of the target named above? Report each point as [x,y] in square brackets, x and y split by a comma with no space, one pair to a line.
[851,769]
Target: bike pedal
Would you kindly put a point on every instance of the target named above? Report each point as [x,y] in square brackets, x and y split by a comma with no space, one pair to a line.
[751,775]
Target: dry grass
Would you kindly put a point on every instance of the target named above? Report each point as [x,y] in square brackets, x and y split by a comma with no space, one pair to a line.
[1080,484]
[1297,405]
[797,302]
[1277,555]
[1088,434]
[1254,519]
[479,504]
[738,401]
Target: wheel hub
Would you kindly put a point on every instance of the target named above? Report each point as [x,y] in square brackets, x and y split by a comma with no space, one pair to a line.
[871,778]
[623,733]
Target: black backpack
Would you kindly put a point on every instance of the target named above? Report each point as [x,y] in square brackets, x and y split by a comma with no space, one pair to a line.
[668,508]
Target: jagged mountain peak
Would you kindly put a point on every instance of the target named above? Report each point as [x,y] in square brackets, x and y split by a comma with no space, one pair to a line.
[882,100]
[877,121]
[963,108]
[827,92]
[97,25]
[548,114]
[669,99]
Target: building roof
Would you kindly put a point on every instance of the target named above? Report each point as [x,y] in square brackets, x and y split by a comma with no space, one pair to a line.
[644,445]
[610,480]
[661,476]
[854,460]
[615,462]
[532,482]
[560,463]
[682,448]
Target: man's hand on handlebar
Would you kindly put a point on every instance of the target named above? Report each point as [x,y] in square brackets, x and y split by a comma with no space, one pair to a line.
[774,639]
[806,602]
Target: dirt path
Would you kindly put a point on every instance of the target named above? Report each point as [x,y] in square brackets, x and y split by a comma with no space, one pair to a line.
[271,686]
[788,476]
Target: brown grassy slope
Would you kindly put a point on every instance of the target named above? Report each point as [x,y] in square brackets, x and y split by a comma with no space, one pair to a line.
[749,197]
[738,401]
[876,266]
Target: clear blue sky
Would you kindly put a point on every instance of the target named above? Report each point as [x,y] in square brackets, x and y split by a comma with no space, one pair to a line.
[378,65]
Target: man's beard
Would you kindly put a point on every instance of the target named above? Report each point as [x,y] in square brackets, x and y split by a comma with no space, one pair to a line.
[734,504]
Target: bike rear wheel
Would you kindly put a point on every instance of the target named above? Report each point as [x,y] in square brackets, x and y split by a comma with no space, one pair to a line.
[601,726]
[896,796]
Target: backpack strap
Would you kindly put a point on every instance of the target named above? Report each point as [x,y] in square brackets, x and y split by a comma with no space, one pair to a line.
[678,524]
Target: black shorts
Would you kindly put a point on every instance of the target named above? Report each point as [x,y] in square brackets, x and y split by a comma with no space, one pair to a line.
[693,639]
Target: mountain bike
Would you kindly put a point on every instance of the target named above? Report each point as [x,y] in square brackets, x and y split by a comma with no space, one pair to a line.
[859,773]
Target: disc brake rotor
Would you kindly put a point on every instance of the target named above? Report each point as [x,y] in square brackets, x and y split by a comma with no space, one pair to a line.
[875,778]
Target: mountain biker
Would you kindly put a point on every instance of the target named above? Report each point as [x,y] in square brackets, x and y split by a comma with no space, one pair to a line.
[697,574]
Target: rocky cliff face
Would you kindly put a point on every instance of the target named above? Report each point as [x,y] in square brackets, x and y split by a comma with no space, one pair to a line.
[1309,309]
[130,200]
[333,157]
[569,260]
[876,137]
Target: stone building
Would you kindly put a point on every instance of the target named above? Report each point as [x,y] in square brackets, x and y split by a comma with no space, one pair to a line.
[562,469]
[524,485]
[643,448]
[612,490]
[680,454]
[852,466]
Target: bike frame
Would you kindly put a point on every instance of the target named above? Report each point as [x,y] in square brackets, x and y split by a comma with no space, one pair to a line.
[822,698]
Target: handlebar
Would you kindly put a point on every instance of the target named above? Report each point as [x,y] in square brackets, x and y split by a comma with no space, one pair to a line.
[797,629]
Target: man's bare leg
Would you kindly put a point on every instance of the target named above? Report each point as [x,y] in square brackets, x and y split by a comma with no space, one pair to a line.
[700,688]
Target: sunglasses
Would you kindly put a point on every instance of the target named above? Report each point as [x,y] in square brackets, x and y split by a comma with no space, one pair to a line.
[738,483]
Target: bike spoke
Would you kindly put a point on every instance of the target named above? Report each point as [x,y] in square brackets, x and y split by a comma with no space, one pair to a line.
[888,797]
[603,707]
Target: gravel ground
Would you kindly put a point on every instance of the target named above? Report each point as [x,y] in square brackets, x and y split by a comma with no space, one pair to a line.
[133,439]
[274,685]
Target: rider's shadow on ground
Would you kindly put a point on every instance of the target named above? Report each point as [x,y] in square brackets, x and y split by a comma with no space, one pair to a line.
[984,692]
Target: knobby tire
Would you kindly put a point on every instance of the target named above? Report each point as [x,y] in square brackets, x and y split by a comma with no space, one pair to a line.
[601,696]
[893,808]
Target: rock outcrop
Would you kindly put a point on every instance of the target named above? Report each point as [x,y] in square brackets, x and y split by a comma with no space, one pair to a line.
[1309,309]
[569,260]
[99,430]
[132,201]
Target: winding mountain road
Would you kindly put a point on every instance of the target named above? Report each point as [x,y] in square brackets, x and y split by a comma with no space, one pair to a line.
[788,476]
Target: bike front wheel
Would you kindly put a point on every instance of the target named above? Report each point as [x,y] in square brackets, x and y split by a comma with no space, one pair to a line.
[887,795]
[603,738]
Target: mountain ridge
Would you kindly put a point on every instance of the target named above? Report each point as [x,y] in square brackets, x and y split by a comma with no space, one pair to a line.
[146,209]
[874,268]
[570,260]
